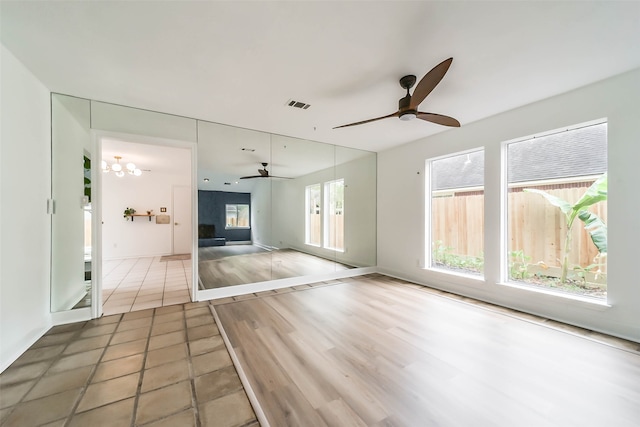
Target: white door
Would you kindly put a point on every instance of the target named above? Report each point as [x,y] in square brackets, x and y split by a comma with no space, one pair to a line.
[182,219]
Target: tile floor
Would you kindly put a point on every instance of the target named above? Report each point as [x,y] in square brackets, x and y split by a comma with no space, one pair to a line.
[134,284]
[166,366]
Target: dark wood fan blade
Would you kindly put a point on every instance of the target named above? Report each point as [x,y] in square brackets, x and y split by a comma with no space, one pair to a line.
[439,119]
[253,176]
[396,114]
[429,82]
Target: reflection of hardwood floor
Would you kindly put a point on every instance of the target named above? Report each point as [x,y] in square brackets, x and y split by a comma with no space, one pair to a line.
[376,351]
[229,270]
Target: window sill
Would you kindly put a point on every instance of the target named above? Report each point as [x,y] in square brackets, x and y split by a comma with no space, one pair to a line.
[590,302]
[477,278]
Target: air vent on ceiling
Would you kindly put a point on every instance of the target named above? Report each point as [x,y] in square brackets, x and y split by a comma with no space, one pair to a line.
[251,150]
[227,183]
[298,104]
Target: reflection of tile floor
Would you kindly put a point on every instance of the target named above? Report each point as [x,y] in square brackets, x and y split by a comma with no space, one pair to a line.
[134,284]
[160,367]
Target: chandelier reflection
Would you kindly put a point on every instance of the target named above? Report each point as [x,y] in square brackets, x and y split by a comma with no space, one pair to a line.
[120,171]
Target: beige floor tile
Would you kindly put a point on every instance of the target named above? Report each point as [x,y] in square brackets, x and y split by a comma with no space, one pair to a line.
[108,309]
[202,331]
[217,384]
[104,320]
[12,394]
[166,340]
[66,328]
[67,380]
[168,317]
[146,305]
[169,309]
[176,300]
[211,361]
[137,315]
[198,311]
[232,410]
[127,325]
[118,414]
[86,344]
[162,402]
[206,345]
[164,375]
[147,298]
[53,339]
[109,391]
[163,328]
[183,419]
[207,319]
[166,355]
[77,360]
[132,335]
[39,354]
[123,350]
[118,367]
[42,411]
[94,331]
[16,374]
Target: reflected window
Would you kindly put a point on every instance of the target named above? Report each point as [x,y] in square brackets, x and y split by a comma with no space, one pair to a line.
[334,218]
[237,216]
[313,221]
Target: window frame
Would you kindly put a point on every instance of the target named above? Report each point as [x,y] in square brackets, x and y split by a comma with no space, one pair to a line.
[226,217]
[428,258]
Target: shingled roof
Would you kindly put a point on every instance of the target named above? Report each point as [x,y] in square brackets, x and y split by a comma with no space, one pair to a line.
[567,154]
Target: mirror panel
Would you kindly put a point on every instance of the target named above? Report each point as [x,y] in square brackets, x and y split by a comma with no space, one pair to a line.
[303,166]
[358,170]
[233,249]
[71,191]
[316,206]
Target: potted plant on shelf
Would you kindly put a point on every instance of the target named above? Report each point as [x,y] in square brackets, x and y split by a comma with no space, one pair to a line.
[128,212]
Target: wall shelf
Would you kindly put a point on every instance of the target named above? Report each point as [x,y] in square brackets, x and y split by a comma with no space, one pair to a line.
[149,215]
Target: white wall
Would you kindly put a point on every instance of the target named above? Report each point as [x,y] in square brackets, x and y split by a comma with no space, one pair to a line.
[401,183]
[25,182]
[141,237]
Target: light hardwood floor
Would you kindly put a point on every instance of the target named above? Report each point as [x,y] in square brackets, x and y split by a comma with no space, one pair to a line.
[218,271]
[375,351]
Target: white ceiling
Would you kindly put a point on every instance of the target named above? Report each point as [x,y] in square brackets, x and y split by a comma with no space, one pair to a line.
[239,62]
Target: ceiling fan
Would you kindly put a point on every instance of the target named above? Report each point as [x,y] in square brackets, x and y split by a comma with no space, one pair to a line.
[408,106]
[264,173]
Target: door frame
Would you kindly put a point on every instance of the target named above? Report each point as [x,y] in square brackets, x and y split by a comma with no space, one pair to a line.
[96,201]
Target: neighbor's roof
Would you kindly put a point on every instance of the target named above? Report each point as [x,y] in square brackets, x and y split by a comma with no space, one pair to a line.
[566,154]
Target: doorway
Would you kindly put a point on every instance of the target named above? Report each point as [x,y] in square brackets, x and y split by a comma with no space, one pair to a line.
[146,232]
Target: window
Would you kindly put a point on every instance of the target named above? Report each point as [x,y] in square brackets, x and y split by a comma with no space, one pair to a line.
[456,201]
[237,216]
[557,211]
[334,215]
[313,216]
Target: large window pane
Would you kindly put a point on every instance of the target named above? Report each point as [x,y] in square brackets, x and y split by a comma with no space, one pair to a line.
[237,216]
[313,224]
[334,218]
[457,212]
[557,211]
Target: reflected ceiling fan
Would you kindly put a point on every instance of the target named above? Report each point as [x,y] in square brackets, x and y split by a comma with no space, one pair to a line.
[408,106]
[264,173]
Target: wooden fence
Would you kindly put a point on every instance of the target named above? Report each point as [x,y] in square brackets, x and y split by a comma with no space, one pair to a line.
[336,223]
[535,226]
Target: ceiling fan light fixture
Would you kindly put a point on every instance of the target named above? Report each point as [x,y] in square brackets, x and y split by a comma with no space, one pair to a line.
[120,174]
[409,115]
